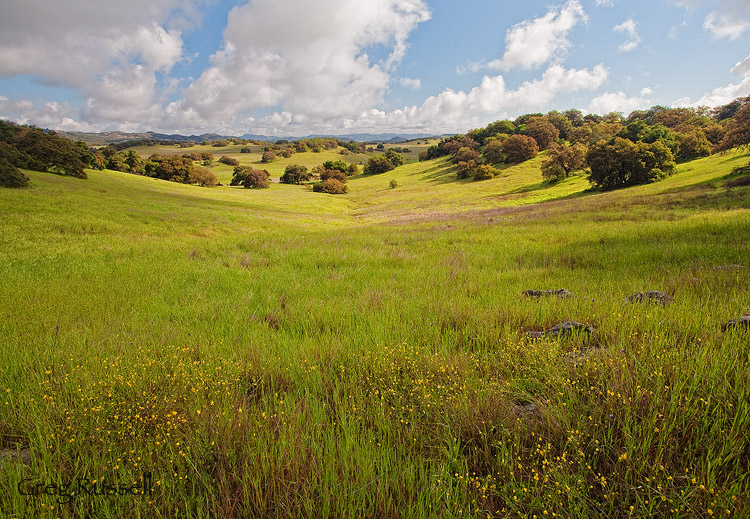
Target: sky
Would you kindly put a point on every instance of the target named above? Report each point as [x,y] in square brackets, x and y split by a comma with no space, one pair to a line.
[335,67]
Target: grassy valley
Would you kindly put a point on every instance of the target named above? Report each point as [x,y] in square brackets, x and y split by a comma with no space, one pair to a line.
[285,353]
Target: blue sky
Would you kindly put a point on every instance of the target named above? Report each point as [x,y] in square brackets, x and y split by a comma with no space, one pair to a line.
[294,67]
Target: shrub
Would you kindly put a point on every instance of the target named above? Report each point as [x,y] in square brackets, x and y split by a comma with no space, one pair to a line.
[621,163]
[693,146]
[229,161]
[393,184]
[295,174]
[484,172]
[466,154]
[201,176]
[331,186]
[378,164]
[519,148]
[466,169]
[333,173]
[268,156]
[256,179]
[353,169]
[246,149]
[10,176]
[339,165]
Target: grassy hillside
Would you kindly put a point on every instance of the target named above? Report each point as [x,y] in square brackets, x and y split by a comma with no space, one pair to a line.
[277,353]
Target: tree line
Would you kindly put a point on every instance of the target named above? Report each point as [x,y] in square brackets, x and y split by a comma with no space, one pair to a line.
[618,151]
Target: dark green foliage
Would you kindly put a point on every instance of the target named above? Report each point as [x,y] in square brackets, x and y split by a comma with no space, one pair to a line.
[353,169]
[246,149]
[38,150]
[562,160]
[295,174]
[393,184]
[493,151]
[622,163]
[331,186]
[229,161]
[239,175]
[377,164]
[491,130]
[338,165]
[693,146]
[519,148]
[10,176]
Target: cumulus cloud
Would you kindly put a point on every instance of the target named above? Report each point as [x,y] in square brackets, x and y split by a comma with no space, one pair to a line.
[719,96]
[111,54]
[307,57]
[730,19]
[617,102]
[414,84]
[742,69]
[607,3]
[452,111]
[535,42]
[630,29]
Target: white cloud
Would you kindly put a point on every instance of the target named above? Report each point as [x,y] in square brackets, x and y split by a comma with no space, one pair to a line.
[742,68]
[646,91]
[729,20]
[453,111]
[719,96]
[308,58]
[110,54]
[606,3]
[534,42]
[414,84]
[630,29]
[617,102]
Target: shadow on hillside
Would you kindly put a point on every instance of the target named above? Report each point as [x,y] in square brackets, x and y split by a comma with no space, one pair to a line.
[441,173]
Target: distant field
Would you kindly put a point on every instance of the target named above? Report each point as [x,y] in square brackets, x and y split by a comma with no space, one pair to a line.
[284,353]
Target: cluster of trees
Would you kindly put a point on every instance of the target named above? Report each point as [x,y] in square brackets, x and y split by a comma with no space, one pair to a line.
[332,175]
[618,151]
[28,147]
[383,163]
[248,177]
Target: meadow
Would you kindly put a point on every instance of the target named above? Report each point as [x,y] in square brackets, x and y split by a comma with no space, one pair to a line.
[284,353]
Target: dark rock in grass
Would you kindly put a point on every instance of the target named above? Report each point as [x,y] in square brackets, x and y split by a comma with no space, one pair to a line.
[652,296]
[562,329]
[561,293]
[15,456]
[728,267]
[738,323]
[568,328]
[526,411]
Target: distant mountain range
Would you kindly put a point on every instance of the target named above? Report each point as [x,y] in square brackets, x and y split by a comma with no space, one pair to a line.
[94,139]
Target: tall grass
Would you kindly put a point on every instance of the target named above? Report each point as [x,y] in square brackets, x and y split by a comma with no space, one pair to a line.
[290,354]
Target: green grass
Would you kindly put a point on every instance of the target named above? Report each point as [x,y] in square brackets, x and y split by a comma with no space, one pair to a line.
[283,353]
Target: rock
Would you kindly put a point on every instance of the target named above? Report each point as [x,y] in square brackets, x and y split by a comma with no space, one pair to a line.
[563,328]
[740,322]
[15,456]
[652,296]
[728,267]
[526,411]
[568,328]
[561,293]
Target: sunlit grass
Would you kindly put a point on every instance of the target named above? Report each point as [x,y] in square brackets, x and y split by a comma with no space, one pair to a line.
[285,353]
